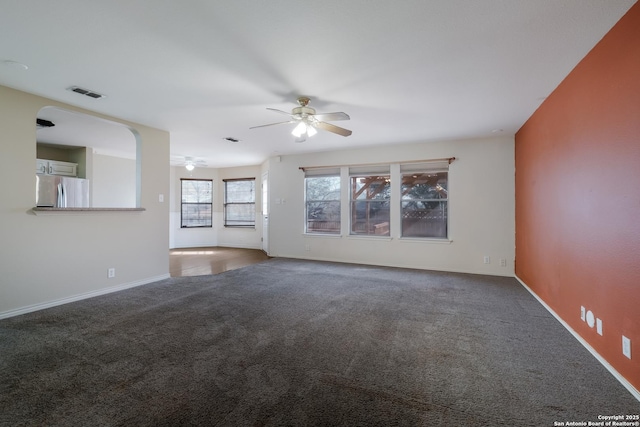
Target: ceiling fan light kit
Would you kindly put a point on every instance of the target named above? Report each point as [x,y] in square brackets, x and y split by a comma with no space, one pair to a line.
[304,128]
[190,163]
[308,122]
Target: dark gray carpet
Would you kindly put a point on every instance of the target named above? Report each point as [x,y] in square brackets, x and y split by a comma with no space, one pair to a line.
[297,343]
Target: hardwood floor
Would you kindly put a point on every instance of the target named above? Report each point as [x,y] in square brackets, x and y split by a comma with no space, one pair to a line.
[211,260]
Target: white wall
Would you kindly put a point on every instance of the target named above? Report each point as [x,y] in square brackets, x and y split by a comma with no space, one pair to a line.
[481,209]
[49,259]
[217,235]
[113,182]
[191,237]
[239,237]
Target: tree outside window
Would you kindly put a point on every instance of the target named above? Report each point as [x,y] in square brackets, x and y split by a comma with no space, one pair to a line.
[322,204]
[196,203]
[240,202]
[425,199]
[370,196]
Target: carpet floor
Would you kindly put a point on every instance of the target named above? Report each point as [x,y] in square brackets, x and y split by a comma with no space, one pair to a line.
[300,343]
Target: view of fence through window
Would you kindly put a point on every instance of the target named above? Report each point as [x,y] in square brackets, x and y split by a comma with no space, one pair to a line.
[421,187]
[239,202]
[370,195]
[322,196]
[197,198]
[424,204]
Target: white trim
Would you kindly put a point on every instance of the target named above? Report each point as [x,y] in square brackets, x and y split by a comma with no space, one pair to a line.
[231,245]
[634,392]
[369,237]
[84,211]
[79,297]
[426,240]
[327,235]
[394,265]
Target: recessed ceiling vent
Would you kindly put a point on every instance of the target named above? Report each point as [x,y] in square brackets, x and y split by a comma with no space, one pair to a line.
[86,92]
[43,124]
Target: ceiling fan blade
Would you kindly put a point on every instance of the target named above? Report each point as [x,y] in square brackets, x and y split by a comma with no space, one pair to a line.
[332,128]
[272,124]
[329,117]
[279,111]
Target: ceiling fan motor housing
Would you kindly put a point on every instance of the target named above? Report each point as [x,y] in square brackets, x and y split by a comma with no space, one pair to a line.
[303,112]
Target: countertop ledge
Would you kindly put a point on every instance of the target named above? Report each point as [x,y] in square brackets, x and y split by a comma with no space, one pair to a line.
[75,211]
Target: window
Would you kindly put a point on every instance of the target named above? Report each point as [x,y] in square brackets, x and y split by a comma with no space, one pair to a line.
[424,201]
[370,194]
[197,197]
[322,201]
[239,202]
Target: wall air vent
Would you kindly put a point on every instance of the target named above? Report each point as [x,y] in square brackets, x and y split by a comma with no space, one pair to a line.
[230,139]
[86,92]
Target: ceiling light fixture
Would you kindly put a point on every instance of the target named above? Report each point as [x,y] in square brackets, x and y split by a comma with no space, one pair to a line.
[190,166]
[303,128]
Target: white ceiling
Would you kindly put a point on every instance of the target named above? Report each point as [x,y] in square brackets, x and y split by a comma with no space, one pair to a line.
[405,71]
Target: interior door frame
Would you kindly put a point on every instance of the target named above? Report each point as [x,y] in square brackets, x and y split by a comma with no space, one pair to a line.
[264,211]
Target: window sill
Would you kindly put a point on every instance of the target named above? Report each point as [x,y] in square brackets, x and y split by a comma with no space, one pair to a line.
[82,211]
[332,236]
[426,240]
[369,237]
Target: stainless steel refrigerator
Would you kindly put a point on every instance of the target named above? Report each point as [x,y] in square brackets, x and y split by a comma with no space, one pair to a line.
[53,191]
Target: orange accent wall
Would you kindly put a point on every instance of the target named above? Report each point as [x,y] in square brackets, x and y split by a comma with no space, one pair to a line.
[578,196]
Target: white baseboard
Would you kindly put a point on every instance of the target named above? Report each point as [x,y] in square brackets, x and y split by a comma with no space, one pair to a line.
[507,273]
[219,245]
[634,392]
[79,297]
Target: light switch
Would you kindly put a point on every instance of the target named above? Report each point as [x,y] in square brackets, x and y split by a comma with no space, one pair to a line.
[161,198]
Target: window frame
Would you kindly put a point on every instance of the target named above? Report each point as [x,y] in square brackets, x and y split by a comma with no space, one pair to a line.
[315,174]
[428,170]
[183,203]
[227,204]
[379,172]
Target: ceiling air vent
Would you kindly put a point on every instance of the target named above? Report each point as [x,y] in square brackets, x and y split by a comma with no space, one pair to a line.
[86,92]
[42,124]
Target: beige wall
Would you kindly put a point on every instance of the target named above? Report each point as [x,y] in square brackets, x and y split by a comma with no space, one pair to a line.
[481,209]
[49,259]
[217,235]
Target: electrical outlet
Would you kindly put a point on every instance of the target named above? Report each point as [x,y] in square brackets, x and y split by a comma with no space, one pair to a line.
[503,262]
[599,326]
[161,198]
[307,247]
[591,319]
[487,259]
[111,273]
[626,346]
[583,313]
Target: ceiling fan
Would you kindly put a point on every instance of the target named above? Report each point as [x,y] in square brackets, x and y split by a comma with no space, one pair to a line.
[308,121]
[190,163]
